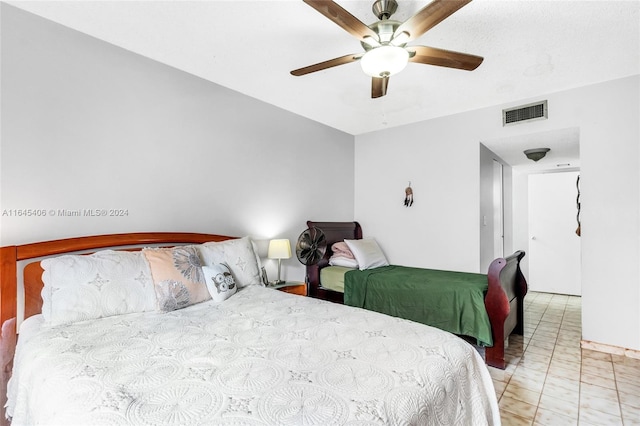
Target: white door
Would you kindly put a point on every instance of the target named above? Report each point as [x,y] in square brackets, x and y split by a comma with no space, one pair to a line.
[498,210]
[554,262]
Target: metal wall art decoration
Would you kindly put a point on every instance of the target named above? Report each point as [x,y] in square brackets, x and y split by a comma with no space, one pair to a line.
[408,196]
[579,229]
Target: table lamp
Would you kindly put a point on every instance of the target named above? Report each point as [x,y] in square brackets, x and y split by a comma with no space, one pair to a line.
[279,249]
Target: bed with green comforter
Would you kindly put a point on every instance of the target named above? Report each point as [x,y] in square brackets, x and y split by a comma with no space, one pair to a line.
[451,301]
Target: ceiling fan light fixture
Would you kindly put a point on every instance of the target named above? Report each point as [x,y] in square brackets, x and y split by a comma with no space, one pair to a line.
[384,61]
[384,41]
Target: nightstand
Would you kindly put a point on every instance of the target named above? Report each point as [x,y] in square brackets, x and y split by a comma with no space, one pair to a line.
[292,287]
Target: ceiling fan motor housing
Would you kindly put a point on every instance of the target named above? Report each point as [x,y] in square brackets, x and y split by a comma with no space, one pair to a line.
[383,9]
[385,30]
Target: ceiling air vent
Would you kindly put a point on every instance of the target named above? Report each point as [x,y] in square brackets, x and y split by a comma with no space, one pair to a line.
[530,112]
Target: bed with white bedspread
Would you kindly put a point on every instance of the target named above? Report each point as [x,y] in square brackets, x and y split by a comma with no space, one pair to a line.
[260,357]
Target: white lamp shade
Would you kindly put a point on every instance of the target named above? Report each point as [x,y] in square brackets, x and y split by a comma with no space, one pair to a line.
[279,249]
[384,61]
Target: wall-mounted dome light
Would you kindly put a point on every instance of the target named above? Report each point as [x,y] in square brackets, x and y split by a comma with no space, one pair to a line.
[536,153]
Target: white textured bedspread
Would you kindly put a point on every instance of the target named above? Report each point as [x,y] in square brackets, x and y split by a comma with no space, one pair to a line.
[262,357]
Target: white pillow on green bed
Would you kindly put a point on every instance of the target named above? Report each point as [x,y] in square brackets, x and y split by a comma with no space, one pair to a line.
[343,261]
[367,253]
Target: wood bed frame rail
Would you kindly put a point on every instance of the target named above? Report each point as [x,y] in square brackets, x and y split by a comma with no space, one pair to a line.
[504,300]
[32,272]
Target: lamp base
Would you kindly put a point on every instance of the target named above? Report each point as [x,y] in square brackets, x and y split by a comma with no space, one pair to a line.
[276,282]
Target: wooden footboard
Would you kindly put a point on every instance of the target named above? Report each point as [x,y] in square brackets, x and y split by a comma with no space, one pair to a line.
[505,304]
[504,300]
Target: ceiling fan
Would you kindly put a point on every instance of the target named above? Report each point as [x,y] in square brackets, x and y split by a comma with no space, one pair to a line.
[385,42]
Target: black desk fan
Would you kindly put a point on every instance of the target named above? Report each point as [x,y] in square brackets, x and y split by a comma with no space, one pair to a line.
[311,247]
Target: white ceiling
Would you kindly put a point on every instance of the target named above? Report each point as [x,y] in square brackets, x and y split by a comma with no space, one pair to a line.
[530,48]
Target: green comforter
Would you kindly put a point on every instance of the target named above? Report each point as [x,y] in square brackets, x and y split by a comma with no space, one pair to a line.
[451,301]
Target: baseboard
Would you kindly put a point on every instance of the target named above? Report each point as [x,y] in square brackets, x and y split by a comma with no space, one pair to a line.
[610,349]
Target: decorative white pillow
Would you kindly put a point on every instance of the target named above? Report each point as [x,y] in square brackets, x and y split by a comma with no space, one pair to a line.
[177,277]
[220,282]
[343,261]
[254,246]
[367,253]
[238,255]
[106,283]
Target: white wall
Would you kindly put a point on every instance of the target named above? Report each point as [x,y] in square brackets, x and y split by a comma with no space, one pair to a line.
[440,158]
[441,230]
[610,193]
[87,125]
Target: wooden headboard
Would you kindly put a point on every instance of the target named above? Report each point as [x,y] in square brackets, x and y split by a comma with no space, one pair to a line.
[10,271]
[32,272]
[333,232]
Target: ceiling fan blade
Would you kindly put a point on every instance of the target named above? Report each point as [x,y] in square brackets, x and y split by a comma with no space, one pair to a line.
[343,18]
[346,59]
[444,58]
[428,17]
[379,86]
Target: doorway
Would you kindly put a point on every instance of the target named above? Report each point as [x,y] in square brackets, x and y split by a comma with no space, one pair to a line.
[564,156]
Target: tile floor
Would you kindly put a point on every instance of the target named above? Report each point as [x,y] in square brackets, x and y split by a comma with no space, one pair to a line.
[550,380]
